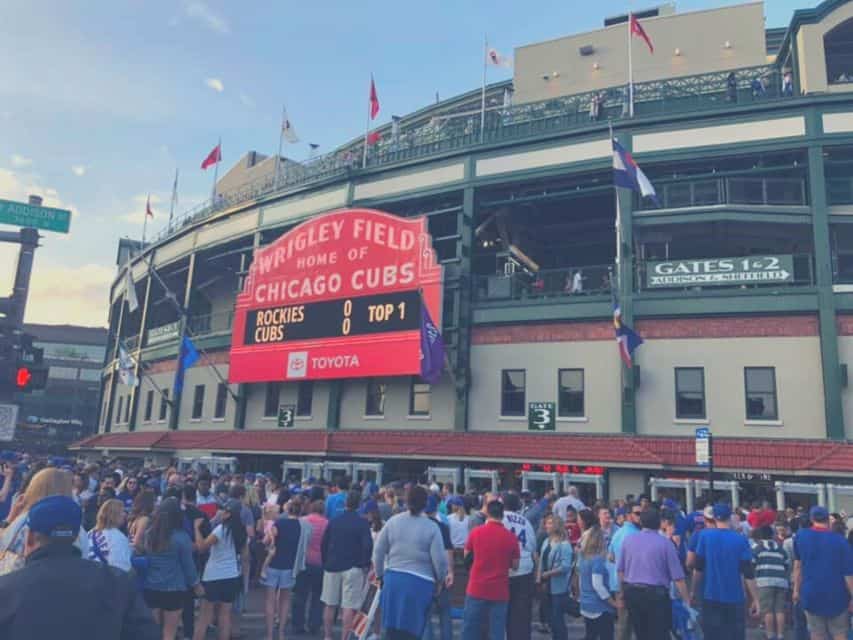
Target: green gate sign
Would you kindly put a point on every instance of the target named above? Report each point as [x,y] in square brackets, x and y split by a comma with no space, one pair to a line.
[720,271]
[540,416]
[286,413]
[22,214]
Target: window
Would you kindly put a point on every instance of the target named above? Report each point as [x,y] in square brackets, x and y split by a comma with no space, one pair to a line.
[221,400]
[90,375]
[512,392]
[376,391]
[271,399]
[198,401]
[149,405]
[570,393]
[164,405]
[689,393]
[420,396]
[760,383]
[127,410]
[119,408]
[304,398]
[63,373]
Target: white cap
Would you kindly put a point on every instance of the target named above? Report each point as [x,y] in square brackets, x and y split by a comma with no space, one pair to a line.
[434,488]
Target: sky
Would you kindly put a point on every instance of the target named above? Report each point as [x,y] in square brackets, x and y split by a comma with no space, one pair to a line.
[101,101]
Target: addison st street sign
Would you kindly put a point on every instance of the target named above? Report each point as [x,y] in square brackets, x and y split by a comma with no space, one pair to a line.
[720,271]
[23,214]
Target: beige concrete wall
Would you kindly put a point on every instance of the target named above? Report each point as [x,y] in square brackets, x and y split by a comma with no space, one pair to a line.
[255,418]
[699,35]
[165,382]
[812,55]
[598,359]
[845,356]
[799,386]
[202,374]
[622,483]
[397,406]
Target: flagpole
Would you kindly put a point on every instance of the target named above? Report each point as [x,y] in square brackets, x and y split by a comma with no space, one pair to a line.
[618,223]
[280,142]
[174,199]
[145,221]
[630,71]
[216,172]
[483,91]
[367,125]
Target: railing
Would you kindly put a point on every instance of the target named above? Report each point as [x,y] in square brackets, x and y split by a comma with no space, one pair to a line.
[566,284]
[131,342]
[210,323]
[734,190]
[455,131]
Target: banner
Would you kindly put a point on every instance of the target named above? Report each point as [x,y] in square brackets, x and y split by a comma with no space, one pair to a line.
[720,271]
[338,296]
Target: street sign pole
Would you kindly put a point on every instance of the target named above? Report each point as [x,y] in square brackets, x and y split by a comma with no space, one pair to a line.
[711,466]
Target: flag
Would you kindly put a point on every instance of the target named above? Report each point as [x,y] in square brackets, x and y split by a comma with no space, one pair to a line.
[432,348]
[374,99]
[126,367]
[175,191]
[187,357]
[628,175]
[497,60]
[507,98]
[130,291]
[626,338]
[373,137]
[637,30]
[148,212]
[287,128]
[213,157]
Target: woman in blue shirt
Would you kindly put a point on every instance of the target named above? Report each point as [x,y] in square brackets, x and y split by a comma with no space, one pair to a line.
[171,570]
[597,606]
[555,567]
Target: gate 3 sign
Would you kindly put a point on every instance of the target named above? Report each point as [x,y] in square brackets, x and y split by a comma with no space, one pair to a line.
[540,416]
[720,271]
[338,296]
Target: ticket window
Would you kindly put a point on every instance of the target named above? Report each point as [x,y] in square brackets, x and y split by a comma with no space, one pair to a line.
[538,483]
[314,470]
[372,472]
[443,475]
[678,494]
[725,491]
[590,487]
[797,495]
[337,471]
[481,481]
[293,473]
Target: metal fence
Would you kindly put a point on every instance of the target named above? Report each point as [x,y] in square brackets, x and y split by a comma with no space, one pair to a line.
[784,191]
[201,325]
[567,283]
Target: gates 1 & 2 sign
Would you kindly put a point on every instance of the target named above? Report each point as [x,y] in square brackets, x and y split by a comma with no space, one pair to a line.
[338,296]
[720,271]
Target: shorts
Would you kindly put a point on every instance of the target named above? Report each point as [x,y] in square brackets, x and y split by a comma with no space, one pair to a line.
[829,626]
[224,590]
[772,599]
[278,578]
[344,588]
[165,600]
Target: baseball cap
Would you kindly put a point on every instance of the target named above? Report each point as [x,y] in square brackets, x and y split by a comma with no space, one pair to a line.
[722,511]
[456,501]
[56,517]
[431,504]
[434,488]
[818,514]
[669,503]
[708,512]
[368,507]
[621,511]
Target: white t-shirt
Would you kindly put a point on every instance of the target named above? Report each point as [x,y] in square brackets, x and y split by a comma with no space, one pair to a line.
[222,563]
[458,530]
[520,527]
[562,506]
[113,546]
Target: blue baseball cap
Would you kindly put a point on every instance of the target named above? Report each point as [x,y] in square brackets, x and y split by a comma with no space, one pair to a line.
[8,456]
[456,501]
[431,504]
[818,514]
[669,503]
[56,517]
[368,507]
[722,511]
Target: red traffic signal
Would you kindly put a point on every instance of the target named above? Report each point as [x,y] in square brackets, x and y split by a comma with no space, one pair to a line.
[23,377]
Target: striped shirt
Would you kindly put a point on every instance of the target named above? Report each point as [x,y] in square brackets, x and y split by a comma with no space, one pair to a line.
[771,564]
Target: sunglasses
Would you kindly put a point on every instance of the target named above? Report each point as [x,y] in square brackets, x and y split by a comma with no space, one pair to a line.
[636,513]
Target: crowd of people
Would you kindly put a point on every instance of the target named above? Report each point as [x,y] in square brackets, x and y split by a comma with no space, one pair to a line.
[110,551]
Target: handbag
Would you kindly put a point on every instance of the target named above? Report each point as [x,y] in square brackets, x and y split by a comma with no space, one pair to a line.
[11,561]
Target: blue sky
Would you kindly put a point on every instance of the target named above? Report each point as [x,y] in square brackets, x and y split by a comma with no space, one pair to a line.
[101,101]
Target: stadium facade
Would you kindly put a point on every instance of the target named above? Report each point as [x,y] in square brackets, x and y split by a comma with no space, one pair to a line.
[740,281]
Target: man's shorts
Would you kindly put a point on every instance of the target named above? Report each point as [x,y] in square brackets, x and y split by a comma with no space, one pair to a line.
[829,626]
[772,599]
[344,588]
[278,578]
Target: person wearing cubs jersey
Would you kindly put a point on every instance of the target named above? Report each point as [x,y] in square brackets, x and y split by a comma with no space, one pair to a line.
[521,580]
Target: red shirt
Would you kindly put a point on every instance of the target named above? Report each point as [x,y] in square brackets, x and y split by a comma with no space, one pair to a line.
[761,518]
[573,530]
[494,549]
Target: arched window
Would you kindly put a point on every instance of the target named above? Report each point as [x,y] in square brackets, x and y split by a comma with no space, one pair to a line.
[838,45]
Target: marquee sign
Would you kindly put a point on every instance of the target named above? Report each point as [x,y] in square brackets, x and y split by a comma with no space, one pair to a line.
[338,296]
[720,271]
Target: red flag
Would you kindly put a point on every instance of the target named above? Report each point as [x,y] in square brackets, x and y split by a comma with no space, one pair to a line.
[148,211]
[373,137]
[212,158]
[374,99]
[637,30]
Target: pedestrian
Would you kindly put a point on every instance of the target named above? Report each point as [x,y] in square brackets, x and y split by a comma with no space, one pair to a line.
[441,599]
[731,87]
[171,569]
[608,528]
[221,579]
[572,500]
[107,544]
[140,518]
[648,565]
[630,527]
[492,552]
[58,594]
[554,574]
[127,491]
[458,521]
[573,526]
[336,502]
[823,577]
[347,546]
[772,567]
[521,580]
[309,583]
[597,605]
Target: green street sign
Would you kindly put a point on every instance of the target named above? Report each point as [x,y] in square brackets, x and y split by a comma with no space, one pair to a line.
[22,214]
[720,272]
[540,416]
[286,413]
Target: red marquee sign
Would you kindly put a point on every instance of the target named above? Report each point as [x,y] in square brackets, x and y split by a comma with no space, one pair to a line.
[338,296]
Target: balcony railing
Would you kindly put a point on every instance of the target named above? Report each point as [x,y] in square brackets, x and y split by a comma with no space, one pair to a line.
[787,191]
[210,323]
[565,284]
[449,131]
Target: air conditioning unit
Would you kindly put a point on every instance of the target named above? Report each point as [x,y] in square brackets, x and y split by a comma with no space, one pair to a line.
[586,50]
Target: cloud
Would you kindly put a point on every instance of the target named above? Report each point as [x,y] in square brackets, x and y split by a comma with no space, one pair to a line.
[16,186]
[215,84]
[205,16]
[72,295]
[136,213]
[20,162]
[247,101]
[79,170]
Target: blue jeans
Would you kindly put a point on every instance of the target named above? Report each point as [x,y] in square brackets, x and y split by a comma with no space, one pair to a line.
[441,606]
[723,620]
[479,612]
[559,611]
[309,586]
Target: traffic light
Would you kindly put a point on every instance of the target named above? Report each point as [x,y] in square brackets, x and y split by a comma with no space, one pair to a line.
[22,368]
[30,378]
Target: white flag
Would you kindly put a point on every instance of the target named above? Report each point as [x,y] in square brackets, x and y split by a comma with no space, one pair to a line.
[287,128]
[507,98]
[126,368]
[130,291]
[497,60]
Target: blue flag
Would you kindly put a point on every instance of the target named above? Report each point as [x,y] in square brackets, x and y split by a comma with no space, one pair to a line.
[187,357]
[432,348]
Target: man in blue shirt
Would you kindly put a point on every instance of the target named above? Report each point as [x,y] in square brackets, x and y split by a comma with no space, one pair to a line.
[614,551]
[336,502]
[823,577]
[724,560]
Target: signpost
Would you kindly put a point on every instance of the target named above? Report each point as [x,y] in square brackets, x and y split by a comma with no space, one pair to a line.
[720,272]
[705,456]
[22,214]
[286,414]
[540,416]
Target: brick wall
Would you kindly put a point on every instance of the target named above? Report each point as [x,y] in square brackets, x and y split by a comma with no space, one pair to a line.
[844,325]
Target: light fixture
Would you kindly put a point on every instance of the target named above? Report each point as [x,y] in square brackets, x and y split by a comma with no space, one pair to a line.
[555,74]
[727,45]
[596,66]
[677,52]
